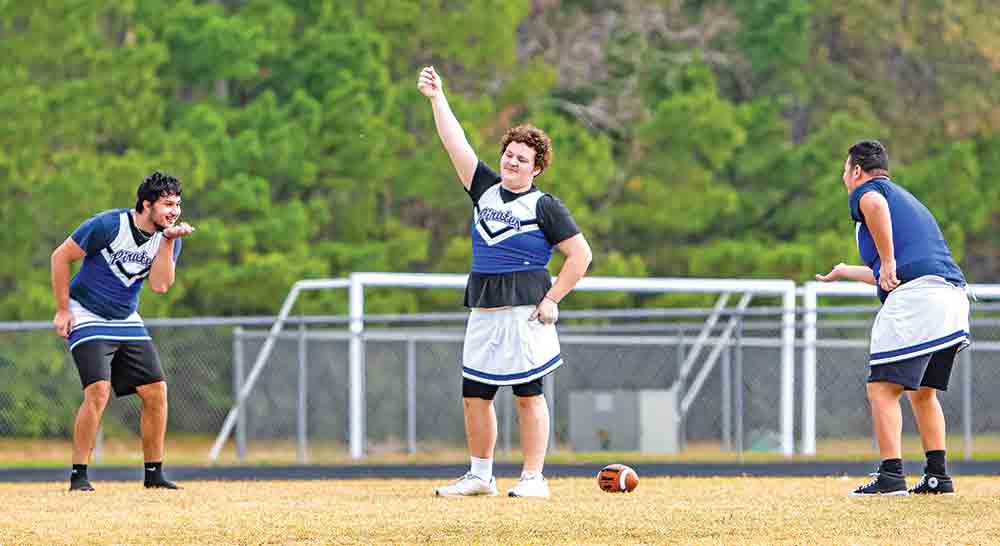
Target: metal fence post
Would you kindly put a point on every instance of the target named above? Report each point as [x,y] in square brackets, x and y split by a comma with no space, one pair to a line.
[411,396]
[809,301]
[549,388]
[681,357]
[301,421]
[356,374]
[238,374]
[99,445]
[788,302]
[727,398]
[508,420]
[966,361]
[738,390]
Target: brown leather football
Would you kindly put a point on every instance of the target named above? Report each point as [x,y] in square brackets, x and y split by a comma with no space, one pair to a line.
[617,478]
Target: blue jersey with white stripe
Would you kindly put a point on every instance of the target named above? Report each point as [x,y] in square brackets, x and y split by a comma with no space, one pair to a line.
[918,244]
[513,235]
[506,236]
[119,258]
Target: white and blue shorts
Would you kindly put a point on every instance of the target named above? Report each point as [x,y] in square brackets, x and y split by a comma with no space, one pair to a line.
[119,351]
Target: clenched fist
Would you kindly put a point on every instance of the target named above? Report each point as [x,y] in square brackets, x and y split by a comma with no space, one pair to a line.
[429,83]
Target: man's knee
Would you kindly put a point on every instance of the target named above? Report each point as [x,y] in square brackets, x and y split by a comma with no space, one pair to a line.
[97,394]
[924,395]
[529,403]
[881,391]
[153,394]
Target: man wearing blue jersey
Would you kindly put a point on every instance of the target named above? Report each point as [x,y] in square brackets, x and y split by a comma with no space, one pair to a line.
[96,313]
[510,338]
[923,322]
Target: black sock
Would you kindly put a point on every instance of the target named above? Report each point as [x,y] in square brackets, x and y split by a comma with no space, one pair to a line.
[153,472]
[78,479]
[154,477]
[935,462]
[891,465]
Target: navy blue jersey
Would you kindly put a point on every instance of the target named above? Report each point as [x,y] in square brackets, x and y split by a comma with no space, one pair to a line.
[119,257]
[512,239]
[919,246]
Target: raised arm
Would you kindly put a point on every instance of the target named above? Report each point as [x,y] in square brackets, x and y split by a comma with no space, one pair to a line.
[448,129]
[67,253]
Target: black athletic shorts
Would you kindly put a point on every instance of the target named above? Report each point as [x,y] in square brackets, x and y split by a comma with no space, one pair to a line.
[127,364]
[475,389]
[931,370]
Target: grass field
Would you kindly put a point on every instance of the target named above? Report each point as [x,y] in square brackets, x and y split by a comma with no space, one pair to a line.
[193,450]
[689,511]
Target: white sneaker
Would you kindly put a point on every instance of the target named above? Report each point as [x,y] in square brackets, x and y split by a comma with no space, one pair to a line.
[535,486]
[468,485]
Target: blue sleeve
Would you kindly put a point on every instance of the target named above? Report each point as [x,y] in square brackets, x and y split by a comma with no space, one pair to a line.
[96,233]
[855,199]
[177,249]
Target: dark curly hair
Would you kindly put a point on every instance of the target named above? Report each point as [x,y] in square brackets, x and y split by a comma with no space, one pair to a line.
[871,156]
[534,138]
[155,186]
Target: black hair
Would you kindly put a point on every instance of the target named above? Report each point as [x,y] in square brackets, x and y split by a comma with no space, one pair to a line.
[154,187]
[871,156]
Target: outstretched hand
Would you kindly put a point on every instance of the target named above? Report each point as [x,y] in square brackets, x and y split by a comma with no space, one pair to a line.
[429,83]
[180,230]
[839,272]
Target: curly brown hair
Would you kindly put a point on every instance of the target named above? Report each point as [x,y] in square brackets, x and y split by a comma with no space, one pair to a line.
[534,138]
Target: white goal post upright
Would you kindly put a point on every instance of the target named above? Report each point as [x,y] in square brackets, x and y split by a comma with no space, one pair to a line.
[359,281]
[811,292]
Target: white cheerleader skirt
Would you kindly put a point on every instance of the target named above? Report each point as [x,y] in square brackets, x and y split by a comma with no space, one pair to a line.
[502,347]
[923,316]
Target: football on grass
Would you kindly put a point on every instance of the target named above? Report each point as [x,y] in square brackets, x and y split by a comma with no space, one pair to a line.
[617,478]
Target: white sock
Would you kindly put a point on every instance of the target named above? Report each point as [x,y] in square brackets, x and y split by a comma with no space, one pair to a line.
[530,474]
[483,468]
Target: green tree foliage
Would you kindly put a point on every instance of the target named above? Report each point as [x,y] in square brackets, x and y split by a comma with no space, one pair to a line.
[692,137]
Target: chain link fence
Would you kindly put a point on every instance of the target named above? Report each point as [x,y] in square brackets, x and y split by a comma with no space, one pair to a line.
[41,392]
[971,409]
[298,410]
[413,383]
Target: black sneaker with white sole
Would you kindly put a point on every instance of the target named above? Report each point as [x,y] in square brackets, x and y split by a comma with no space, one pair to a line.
[882,483]
[934,484]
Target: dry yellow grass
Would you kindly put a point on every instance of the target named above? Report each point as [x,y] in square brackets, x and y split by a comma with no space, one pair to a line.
[689,511]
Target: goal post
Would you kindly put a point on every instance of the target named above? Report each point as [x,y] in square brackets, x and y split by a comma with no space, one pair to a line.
[357,282]
[811,293]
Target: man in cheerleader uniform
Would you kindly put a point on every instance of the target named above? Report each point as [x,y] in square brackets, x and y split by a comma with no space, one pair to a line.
[923,322]
[96,313]
[510,337]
